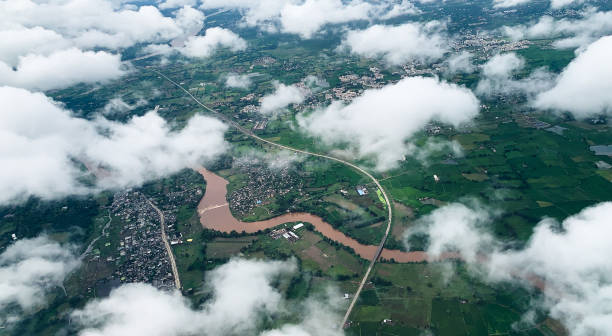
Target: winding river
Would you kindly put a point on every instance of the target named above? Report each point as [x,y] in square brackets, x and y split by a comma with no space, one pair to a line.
[215,214]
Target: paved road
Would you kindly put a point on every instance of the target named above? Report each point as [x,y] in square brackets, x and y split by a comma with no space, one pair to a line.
[162,220]
[359,169]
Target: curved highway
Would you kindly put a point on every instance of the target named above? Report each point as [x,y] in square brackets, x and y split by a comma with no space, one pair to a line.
[296,150]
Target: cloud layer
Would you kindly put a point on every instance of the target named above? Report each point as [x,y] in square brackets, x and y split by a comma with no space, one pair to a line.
[94,23]
[584,86]
[235,80]
[43,158]
[203,45]
[572,32]
[572,262]
[61,69]
[497,77]
[283,96]
[461,62]
[214,38]
[116,106]
[243,295]
[54,44]
[553,3]
[28,269]
[378,123]
[307,18]
[399,44]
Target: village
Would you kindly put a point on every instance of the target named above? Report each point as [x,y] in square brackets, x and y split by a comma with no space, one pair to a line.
[263,184]
[141,256]
[137,250]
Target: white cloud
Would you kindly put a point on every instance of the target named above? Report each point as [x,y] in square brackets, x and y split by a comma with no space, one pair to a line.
[235,80]
[61,68]
[319,318]
[571,259]
[497,72]
[190,20]
[202,45]
[29,268]
[563,3]
[314,83]
[48,42]
[399,44]
[273,160]
[553,3]
[571,32]
[160,49]
[502,65]
[283,96]
[460,63]
[94,23]
[584,86]
[508,3]
[498,77]
[240,289]
[308,17]
[432,147]
[125,28]
[167,4]
[456,227]
[403,8]
[574,265]
[255,12]
[379,122]
[243,295]
[214,38]
[38,158]
[117,106]
[20,41]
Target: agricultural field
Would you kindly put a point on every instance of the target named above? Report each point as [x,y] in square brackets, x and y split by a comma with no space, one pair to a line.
[442,298]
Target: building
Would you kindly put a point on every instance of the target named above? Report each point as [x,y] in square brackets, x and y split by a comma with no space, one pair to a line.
[362,190]
[275,234]
[298,226]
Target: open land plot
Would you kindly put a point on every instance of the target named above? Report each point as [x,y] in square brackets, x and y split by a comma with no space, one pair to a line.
[470,140]
[423,297]
[221,248]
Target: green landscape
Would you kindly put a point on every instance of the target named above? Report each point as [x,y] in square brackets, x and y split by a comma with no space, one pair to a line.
[516,171]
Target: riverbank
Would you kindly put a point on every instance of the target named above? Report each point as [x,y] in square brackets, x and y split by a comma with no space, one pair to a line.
[215,214]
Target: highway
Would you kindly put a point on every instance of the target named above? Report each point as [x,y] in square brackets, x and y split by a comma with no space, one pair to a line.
[162,220]
[296,150]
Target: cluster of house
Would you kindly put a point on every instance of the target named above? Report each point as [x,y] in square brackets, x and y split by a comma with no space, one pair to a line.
[141,253]
[262,185]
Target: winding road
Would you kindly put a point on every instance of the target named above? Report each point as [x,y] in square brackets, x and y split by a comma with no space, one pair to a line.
[162,221]
[296,150]
[91,245]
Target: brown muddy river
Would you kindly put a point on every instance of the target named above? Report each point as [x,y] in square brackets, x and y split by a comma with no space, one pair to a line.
[215,214]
